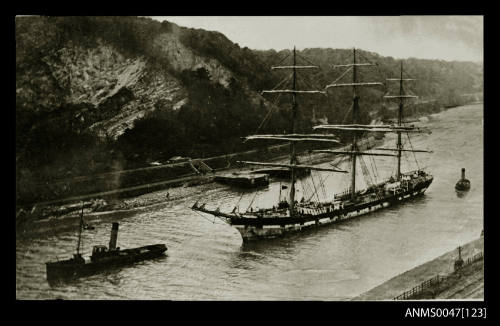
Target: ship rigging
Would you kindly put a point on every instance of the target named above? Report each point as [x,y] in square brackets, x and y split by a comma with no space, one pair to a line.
[292,215]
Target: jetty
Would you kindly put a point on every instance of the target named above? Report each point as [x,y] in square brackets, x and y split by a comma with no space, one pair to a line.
[281,173]
[243,180]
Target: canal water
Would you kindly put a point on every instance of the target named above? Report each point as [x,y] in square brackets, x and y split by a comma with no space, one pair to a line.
[207,260]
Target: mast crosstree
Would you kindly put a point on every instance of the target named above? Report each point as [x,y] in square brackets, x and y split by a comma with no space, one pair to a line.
[401,97]
[355,109]
[355,127]
[293,137]
[291,216]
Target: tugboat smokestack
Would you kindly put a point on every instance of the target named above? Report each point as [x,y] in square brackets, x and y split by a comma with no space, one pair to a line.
[114,236]
[463,173]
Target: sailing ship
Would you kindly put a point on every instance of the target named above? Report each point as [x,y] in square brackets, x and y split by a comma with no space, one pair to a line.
[292,215]
[101,258]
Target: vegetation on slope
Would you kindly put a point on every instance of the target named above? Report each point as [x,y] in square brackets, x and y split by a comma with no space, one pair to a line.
[53,135]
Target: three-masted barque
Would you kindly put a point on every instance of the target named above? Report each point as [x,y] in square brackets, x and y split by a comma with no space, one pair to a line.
[292,215]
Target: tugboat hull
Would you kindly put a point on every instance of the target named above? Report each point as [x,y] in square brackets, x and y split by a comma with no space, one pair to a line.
[462,185]
[71,268]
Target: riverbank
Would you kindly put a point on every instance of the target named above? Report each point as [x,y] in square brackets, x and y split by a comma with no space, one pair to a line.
[127,199]
[465,283]
[468,285]
[207,259]
[113,209]
[48,219]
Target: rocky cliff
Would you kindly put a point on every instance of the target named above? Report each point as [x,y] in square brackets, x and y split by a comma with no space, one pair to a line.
[96,93]
[114,87]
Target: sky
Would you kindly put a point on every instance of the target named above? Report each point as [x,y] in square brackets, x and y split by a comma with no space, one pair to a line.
[428,37]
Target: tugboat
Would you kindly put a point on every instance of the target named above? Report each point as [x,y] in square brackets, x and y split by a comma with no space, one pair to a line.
[463,184]
[295,215]
[101,259]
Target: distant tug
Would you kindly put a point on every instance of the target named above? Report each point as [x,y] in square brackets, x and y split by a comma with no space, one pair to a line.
[101,259]
[463,184]
[292,215]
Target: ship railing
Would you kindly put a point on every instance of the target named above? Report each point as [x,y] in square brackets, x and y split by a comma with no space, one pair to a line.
[473,259]
[435,281]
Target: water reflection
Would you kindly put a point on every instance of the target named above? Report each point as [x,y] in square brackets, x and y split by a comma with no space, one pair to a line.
[209,261]
[461,193]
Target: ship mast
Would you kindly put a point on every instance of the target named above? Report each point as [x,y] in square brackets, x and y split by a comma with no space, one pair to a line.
[293,137]
[292,143]
[80,233]
[354,127]
[401,97]
[400,118]
[355,108]
[354,121]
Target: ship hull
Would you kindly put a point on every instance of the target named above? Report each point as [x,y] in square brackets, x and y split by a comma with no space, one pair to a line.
[64,270]
[244,181]
[462,185]
[265,228]
[282,173]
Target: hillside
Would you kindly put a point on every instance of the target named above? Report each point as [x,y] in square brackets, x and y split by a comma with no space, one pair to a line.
[97,94]
[438,82]
[87,80]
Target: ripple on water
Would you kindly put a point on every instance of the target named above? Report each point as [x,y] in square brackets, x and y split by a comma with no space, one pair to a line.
[208,261]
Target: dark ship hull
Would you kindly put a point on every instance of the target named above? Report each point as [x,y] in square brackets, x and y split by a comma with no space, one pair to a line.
[462,185]
[76,267]
[244,180]
[282,173]
[271,223]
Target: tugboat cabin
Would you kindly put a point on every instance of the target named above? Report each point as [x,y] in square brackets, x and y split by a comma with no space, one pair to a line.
[98,252]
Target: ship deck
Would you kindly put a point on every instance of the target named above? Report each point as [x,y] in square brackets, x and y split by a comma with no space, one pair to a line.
[311,211]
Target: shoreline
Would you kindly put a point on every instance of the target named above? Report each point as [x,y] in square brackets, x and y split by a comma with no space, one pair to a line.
[33,225]
[126,206]
[442,265]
